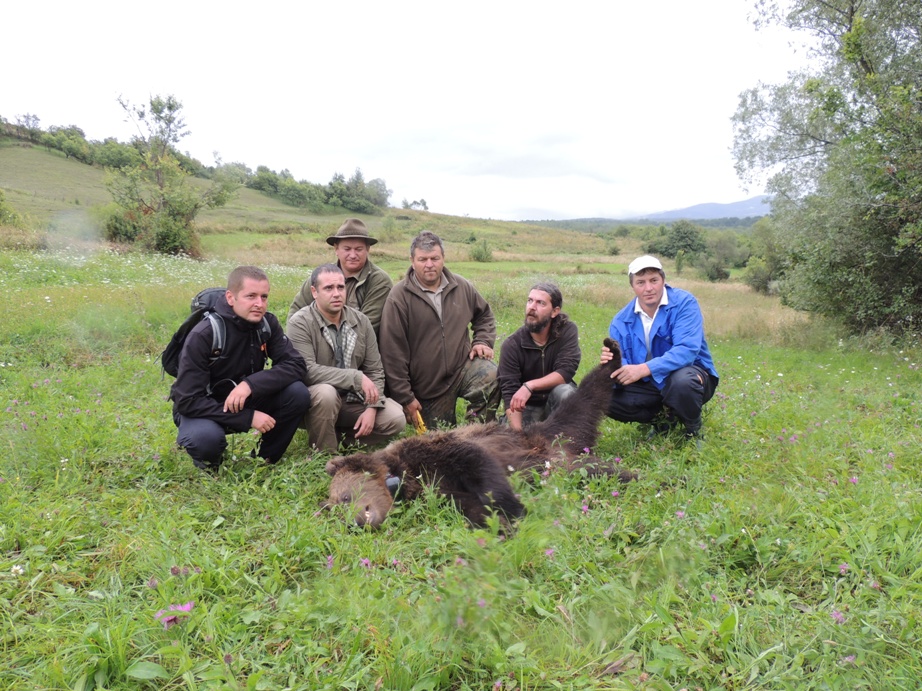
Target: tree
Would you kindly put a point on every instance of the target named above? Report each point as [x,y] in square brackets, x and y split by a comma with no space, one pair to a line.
[842,143]
[680,236]
[157,206]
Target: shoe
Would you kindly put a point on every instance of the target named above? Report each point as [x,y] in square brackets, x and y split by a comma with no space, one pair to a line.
[694,437]
[660,429]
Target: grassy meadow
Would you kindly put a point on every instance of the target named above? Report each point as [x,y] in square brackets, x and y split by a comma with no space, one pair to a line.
[785,554]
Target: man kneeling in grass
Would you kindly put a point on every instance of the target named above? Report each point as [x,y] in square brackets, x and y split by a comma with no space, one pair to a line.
[667,373]
[235,392]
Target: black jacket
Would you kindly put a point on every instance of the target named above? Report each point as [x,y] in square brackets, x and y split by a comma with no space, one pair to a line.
[520,360]
[243,359]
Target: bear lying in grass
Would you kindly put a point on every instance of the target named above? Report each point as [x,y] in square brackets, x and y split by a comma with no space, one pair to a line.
[471,464]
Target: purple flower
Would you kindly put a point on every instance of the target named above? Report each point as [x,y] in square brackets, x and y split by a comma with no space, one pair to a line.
[549,553]
[585,449]
[366,563]
[843,568]
[853,479]
[848,660]
[174,570]
[228,659]
[481,602]
[329,561]
[615,493]
[460,561]
[168,620]
[713,597]
[838,616]
[680,514]
[585,508]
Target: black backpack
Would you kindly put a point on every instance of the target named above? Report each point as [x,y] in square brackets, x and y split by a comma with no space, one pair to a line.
[203,307]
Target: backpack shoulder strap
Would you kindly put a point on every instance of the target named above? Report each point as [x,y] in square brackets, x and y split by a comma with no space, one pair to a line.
[218,334]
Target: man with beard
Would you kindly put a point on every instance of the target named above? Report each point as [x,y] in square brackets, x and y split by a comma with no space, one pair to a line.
[537,363]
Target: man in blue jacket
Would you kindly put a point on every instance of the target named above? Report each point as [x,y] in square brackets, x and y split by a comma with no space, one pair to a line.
[667,373]
[236,392]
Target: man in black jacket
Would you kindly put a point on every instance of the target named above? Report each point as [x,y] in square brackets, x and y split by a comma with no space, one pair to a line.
[537,363]
[234,393]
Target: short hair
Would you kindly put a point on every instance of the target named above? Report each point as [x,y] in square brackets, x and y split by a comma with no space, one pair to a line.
[662,274]
[552,290]
[324,269]
[426,241]
[236,277]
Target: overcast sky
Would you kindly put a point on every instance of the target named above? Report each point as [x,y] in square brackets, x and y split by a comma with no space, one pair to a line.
[504,109]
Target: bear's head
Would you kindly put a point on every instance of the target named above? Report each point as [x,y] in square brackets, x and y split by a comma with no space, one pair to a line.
[360,481]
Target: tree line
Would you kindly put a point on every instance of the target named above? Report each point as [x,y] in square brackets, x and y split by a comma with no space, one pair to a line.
[147,177]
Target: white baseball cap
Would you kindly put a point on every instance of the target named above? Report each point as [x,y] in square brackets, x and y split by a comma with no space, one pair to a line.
[644,262]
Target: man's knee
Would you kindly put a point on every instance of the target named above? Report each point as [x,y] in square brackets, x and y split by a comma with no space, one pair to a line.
[324,402]
[390,419]
[559,394]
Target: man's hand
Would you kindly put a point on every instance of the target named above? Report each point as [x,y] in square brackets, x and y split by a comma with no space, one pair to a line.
[482,351]
[365,424]
[628,374]
[519,399]
[370,390]
[410,410]
[237,397]
[606,356]
[262,423]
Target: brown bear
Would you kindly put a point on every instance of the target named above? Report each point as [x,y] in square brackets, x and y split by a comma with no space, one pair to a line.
[471,464]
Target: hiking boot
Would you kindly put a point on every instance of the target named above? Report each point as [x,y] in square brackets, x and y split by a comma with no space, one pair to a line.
[694,437]
[661,429]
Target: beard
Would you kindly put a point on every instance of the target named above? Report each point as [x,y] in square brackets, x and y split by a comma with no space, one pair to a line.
[537,326]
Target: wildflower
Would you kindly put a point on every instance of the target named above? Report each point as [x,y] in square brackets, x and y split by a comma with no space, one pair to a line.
[17,570]
[680,514]
[838,616]
[853,479]
[615,493]
[152,583]
[585,508]
[617,459]
[481,602]
[843,568]
[329,561]
[366,563]
[848,660]
[228,659]
[713,597]
[168,620]
[460,562]
[549,553]
[874,585]
[174,570]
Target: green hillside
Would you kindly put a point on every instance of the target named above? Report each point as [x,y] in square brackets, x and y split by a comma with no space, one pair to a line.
[60,196]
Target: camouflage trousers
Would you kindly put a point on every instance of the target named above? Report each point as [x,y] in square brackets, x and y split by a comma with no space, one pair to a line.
[478,386]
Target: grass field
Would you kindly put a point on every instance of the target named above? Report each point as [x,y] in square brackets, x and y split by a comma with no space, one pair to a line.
[784,554]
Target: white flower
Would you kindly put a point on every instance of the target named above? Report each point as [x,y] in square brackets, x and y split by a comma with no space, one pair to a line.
[17,570]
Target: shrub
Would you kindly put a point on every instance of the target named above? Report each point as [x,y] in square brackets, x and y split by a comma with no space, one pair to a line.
[481,252]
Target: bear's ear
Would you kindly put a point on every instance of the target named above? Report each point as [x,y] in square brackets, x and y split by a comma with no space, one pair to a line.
[334,464]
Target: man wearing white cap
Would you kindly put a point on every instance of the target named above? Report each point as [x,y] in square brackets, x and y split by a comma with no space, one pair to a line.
[668,374]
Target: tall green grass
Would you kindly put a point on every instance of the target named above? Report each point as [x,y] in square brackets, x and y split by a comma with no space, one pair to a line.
[784,554]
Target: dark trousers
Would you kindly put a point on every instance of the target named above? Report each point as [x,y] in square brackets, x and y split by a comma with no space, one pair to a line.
[684,394]
[205,440]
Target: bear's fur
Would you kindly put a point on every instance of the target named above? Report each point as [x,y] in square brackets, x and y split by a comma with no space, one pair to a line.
[470,464]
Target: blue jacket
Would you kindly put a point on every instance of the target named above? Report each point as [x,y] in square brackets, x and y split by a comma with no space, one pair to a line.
[676,337]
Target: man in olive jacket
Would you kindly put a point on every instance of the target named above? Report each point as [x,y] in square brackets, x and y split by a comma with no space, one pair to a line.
[344,371]
[367,285]
[235,392]
[430,358]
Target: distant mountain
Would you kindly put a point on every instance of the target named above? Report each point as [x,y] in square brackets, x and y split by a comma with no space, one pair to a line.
[756,206]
